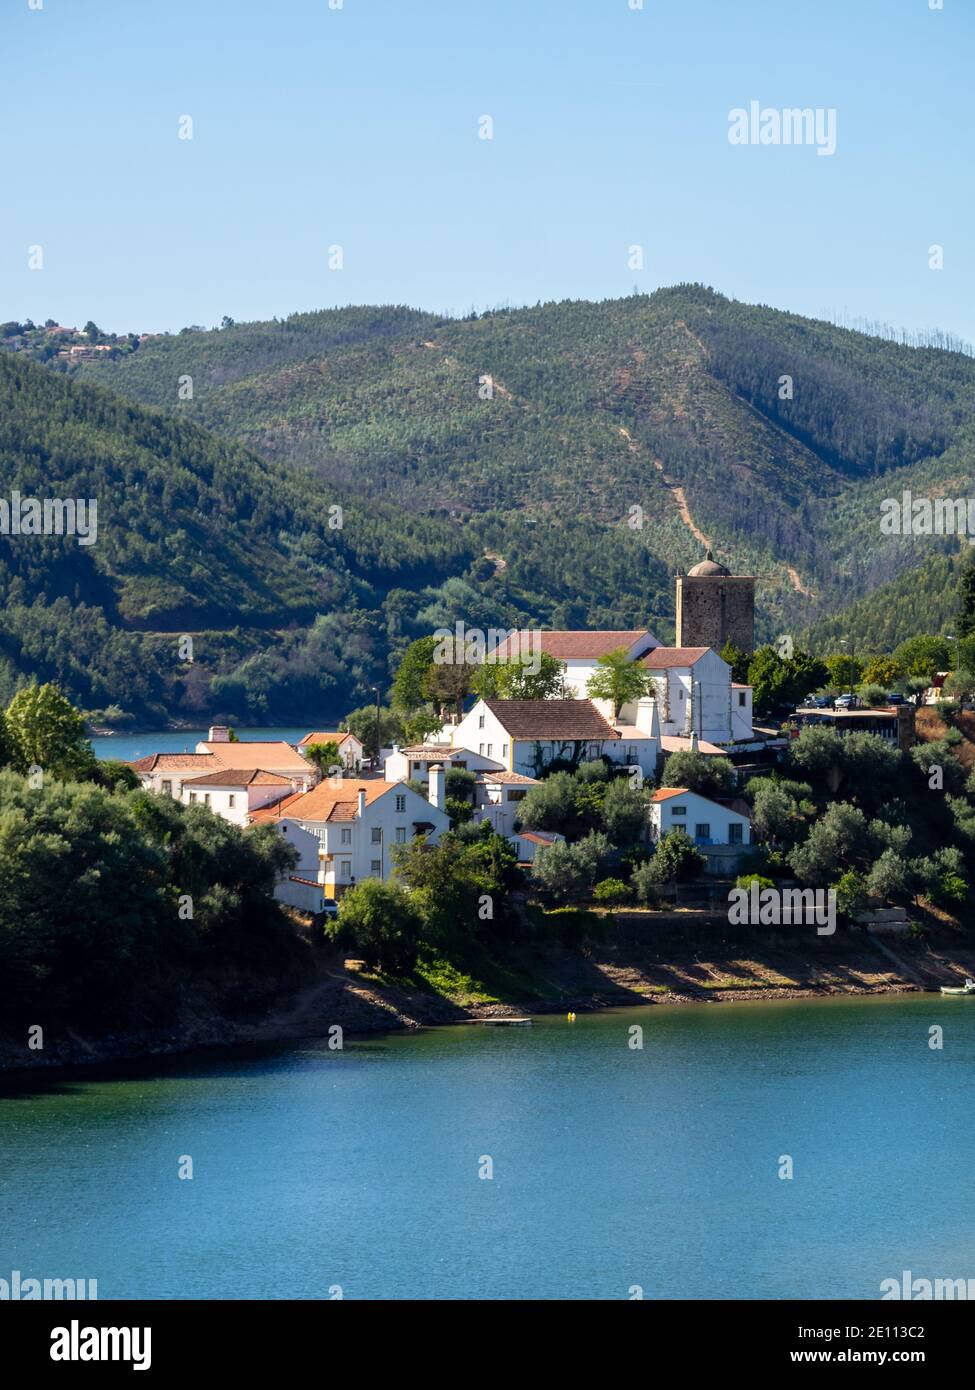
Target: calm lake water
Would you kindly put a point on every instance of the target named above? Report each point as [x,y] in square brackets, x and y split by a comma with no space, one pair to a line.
[612,1167]
[128,747]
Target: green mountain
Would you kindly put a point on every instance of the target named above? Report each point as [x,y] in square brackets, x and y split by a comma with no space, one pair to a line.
[552,464]
[542,426]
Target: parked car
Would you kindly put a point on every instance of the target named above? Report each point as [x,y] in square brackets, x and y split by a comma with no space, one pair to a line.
[895,699]
[848,702]
[817,702]
[330,907]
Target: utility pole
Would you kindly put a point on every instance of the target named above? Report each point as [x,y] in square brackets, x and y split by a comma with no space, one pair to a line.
[378,738]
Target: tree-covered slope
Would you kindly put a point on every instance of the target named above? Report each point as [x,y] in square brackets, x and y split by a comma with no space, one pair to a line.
[772,435]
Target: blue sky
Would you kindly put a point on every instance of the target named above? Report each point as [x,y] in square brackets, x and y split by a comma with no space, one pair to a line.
[358,127]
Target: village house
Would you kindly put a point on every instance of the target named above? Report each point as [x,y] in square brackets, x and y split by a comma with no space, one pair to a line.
[357,823]
[719,830]
[234,793]
[413,763]
[527,736]
[350,748]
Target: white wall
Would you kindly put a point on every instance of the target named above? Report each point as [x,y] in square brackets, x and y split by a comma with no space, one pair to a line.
[687,811]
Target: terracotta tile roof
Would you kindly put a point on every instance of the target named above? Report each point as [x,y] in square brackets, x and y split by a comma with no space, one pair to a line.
[505,776]
[172,762]
[251,753]
[665,793]
[238,777]
[337,737]
[309,882]
[663,657]
[552,719]
[573,646]
[431,752]
[326,802]
[539,837]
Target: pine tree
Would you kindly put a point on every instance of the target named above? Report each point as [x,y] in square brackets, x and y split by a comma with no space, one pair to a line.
[966,612]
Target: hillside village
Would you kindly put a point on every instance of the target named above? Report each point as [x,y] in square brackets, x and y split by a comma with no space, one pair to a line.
[489,762]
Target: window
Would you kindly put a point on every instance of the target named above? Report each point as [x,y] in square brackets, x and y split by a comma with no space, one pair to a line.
[480,748]
[231,801]
[192,796]
[377,835]
[702,831]
[518,795]
[206,798]
[377,866]
[167,788]
[679,811]
[734,833]
[741,697]
[504,750]
[345,870]
[400,805]
[480,721]
[401,834]
[490,749]
[346,835]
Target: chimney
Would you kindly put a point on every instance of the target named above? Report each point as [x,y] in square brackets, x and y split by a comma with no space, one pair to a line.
[437,796]
[693,740]
[647,719]
[219,733]
[362,802]
[395,747]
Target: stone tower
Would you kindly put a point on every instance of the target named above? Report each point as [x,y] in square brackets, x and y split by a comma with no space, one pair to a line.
[713,606]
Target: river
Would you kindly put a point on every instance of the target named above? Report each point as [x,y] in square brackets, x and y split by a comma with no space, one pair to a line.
[613,1167]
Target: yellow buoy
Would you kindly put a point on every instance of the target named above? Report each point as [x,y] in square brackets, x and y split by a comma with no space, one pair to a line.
[571,1018]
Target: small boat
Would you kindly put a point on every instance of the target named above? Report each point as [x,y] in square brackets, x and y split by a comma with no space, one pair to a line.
[503,1021]
[967,988]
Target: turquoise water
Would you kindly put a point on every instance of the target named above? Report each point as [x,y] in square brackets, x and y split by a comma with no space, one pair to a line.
[128,747]
[612,1167]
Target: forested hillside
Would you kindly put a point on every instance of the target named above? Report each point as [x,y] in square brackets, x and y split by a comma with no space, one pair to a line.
[552,464]
[773,435]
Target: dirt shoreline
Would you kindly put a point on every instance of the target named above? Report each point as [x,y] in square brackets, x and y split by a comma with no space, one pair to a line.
[634,967]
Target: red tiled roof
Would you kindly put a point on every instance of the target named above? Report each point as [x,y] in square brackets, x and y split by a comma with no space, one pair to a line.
[250,753]
[239,777]
[327,802]
[503,776]
[663,657]
[337,737]
[572,646]
[561,720]
[665,793]
[172,762]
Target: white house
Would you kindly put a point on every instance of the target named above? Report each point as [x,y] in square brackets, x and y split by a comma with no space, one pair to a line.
[579,652]
[496,798]
[718,830]
[234,793]
[413,763]
[695,694]
[357,823]
[350,748]
[526,736]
